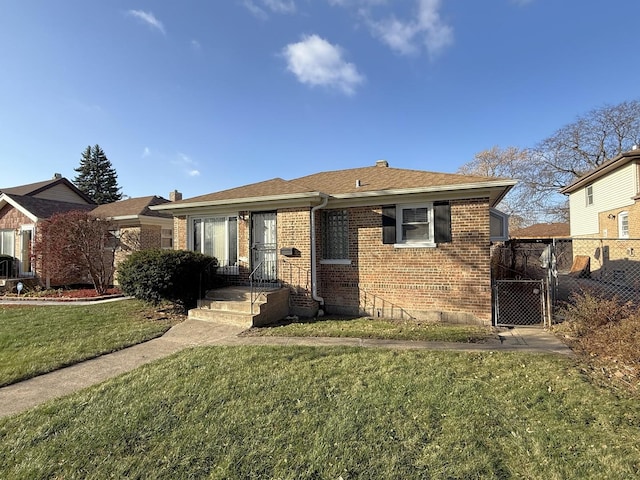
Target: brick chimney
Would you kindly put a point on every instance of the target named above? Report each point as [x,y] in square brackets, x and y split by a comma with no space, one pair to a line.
[175,196]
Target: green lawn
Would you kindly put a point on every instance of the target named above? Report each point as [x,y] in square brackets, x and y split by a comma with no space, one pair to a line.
[331,413]
[378,328]
[39,339]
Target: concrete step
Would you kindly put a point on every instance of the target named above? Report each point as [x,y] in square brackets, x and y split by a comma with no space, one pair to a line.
[239,319]
[229,305]
[233,306]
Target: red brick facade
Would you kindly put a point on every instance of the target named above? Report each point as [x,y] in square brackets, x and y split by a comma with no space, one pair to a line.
[450,282]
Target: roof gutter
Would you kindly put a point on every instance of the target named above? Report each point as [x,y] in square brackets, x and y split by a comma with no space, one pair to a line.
[174,207]
[314,260]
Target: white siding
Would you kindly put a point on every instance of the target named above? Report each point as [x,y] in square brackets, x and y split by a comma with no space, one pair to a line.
[616,190]
[61,193]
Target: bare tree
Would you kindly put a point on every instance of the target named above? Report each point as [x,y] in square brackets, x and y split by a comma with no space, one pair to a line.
[509,162]
[558,160]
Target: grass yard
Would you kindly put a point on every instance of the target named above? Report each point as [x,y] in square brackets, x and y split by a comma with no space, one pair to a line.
[377,328]
[39,339]
[332,413]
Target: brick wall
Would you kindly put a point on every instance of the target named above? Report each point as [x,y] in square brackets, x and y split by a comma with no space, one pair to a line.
[294,226]
[451,282]
[609,226]
[180,232]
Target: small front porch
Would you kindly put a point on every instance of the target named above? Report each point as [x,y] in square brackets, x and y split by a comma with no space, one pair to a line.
[242,306]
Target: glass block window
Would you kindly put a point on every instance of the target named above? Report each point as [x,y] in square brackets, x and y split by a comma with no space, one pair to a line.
[335,235]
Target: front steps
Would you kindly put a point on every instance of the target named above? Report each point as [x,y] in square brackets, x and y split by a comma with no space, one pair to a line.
[232,305]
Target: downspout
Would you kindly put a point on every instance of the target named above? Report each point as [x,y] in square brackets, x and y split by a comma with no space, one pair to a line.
[314,260]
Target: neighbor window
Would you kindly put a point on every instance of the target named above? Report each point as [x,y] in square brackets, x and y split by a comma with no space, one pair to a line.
[217,237]
[623,224]
[166,238]
[335,235]
[415,225]
[7,242]
[589,195]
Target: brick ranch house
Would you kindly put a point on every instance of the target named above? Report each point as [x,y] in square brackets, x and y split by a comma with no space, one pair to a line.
[376,240]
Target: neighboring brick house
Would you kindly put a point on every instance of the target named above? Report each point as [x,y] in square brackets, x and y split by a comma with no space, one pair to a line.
[137,226]
[604,208]
[377,240]
[21,208]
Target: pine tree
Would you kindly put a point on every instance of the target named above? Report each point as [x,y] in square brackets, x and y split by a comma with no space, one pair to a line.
[96,176]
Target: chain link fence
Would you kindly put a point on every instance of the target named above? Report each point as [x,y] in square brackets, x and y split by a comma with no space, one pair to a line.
[606,267]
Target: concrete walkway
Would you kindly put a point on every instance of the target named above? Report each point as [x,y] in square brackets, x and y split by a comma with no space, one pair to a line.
[22,396]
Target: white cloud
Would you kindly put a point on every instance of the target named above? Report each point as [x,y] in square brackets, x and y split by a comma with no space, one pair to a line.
[259,8]
[146,152]
[316,62]
[148,18]
[280,6]
[186,164]
[426,30]
[195,45]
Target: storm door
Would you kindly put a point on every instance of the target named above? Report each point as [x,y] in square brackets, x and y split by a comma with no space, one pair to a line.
[263,246]
[26,251]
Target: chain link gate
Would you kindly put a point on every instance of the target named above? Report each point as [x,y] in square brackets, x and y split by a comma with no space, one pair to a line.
[520,303]
[560,269]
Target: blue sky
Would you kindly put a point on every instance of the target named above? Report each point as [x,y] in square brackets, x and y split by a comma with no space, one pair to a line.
[203,95]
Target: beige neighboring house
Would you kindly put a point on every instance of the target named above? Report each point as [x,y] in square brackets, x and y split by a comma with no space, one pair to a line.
[605,202]
[604,206]
[375,240]
[137,226]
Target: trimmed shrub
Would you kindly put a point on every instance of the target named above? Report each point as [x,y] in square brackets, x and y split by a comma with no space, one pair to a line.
[179,276]
[588,311]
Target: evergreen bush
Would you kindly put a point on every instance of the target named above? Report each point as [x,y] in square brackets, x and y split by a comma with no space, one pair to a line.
[179,276]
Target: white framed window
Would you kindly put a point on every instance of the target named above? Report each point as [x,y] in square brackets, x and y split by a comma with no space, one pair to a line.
[623,225]
[217,237]
[335,235]
[499,225]
[589,195]
[166,238]
[414,225]
[7,242]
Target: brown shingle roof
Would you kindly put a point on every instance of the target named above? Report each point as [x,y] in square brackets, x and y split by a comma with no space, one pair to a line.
[276,186]
[371,179]
[33,189]
[380,178]
[543,230]
[131,207]
[43,208]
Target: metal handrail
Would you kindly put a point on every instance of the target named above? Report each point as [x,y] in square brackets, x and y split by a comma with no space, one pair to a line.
[254,295]
[9,267]
[200,294]
[393,306]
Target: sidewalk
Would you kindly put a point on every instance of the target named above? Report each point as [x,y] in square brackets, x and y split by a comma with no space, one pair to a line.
[22,396]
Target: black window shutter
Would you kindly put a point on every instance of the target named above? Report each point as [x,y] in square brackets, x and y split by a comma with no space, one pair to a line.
[442,222]
[389,224]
